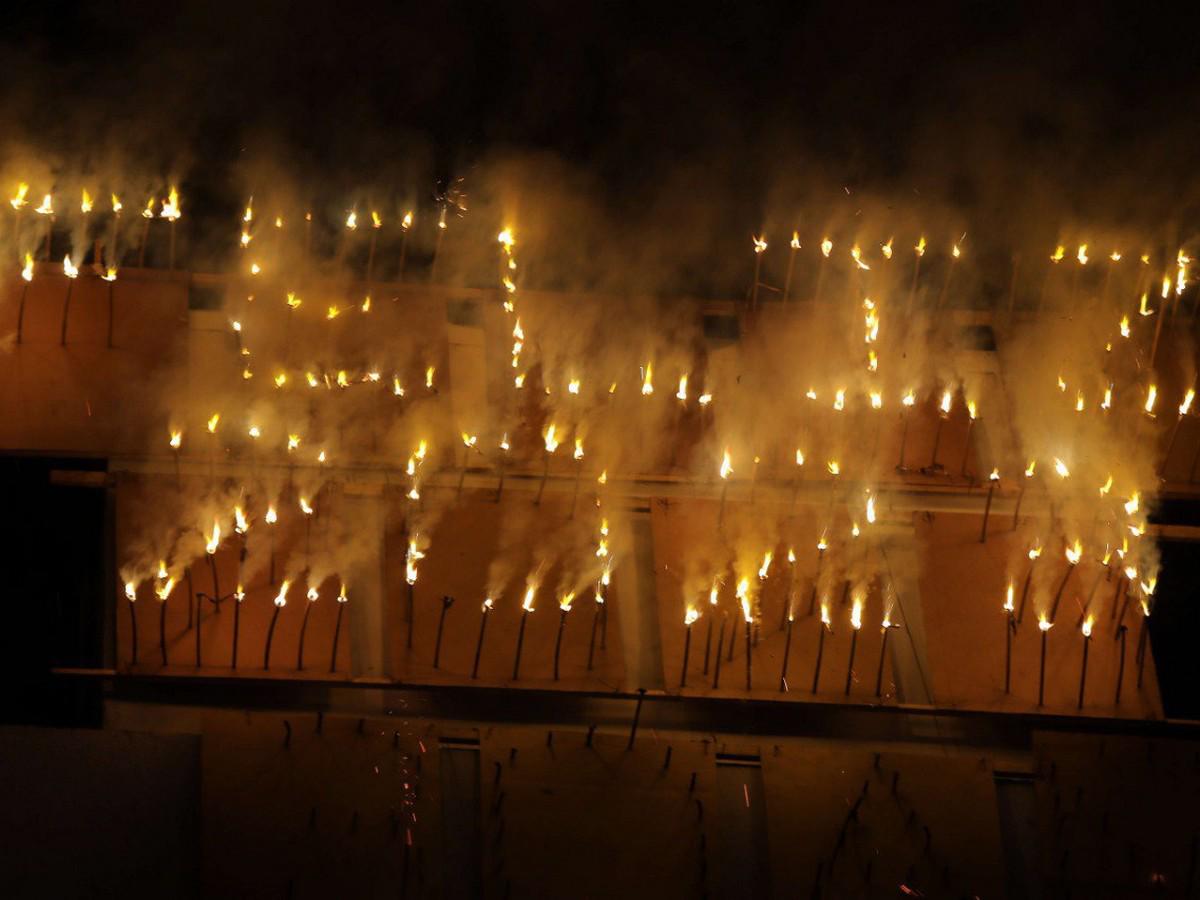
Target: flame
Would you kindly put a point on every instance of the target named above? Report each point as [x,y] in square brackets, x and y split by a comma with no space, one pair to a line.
[1035,551]
[279,221]
[313,595]
[1131,572]
[839,399]
[704,399]
[506,240]
[376,222]
[1075,552]
[995,475]
[1151,396]
[551,440]
[854,530]
[826,247]
[321,457]
[947,399]
[1124,326]
[647,383]
[1062,385]
[920,248]
[469,440]
[164,591]
[1030,468]
[870,509]
[1143,309]
[1148,588]
[488,603]
[293,301]
[1187,401]
[1134,503]
[333,312]
[1107,402]
[822,545]
[887,249]
[1082,255]
[726,464]
[1106,487]
[1061,468]
[530,594]
[85,202]
[293,442]
[411,558]
[162,569]
[714,591]
[281,597]
[422,449]
[690,616]
[1008,599]
[856,255]
[811,394]
[743,594]
[305,506]
[833,467]
[909,398]
[341,597]
[791,556]
[240,524]
[956,252]
[1079,406]
[681,394]
[1115,256]
[504,445]
[69,268]
[1044,624]
[397,387]
[47,207]
[429,377]
[1166,286]
[760,244]
[1059,252]
[856,611]
[872,361]
[971,409]
[352,220]
[578,454]
[565,601]
[170,206]
[255,268]
[176,439]
[281,379]
[799,457]
[272,516]
[130,591]
[18,199]
[407,221]
[825,619]
[1086,627]
[214,539]
[795,240]
[343,380]
[365,306]
[573,386]
[603,479]
[27,271]
[766,565]
[213,421]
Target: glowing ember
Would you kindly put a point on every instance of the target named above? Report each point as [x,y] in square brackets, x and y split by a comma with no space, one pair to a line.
[19,198]
[1133,504]
[1008,599]
[578,454]
[170,206]
[947,399]
[766,565]
[691,615]
[411,557]
[1124,326]
[164,590]
[240,523]
[647,381]
[271,516]
[305,506]
[887,249]
[176,440]
[27,271]
[856,611]
[551,440]
[1061,468]
[743,595]
[826,247]
[795,240]
[681,394]
[1187,401]
[1082,255]
[759,244]
[1059,252]
[833,467]
[281,597]
[1086,627]
[1074,552]
[213,421]
[69,268]
[1151,397]
[1044,624]
[920,247]
[530,594]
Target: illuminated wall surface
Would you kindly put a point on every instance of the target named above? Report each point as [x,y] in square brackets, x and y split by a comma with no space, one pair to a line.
[864,495]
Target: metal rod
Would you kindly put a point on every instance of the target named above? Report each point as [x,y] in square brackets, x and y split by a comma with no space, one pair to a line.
[850,665]
[717,664]
[270,635]
[882,661]
[987,510]
[62,338]
[162,630]
[687,649]
[237,613]
[1120,665]
[337,631]
[820,653]
[562,624]
[1042,670]
[520,644]
[447,602]
[308,604]
[1009,628]
[133,632]
[479,643]
[1087,640]
[787,651]
[748,655]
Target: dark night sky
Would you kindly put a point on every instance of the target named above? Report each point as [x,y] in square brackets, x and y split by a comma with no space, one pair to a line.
[751,109]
